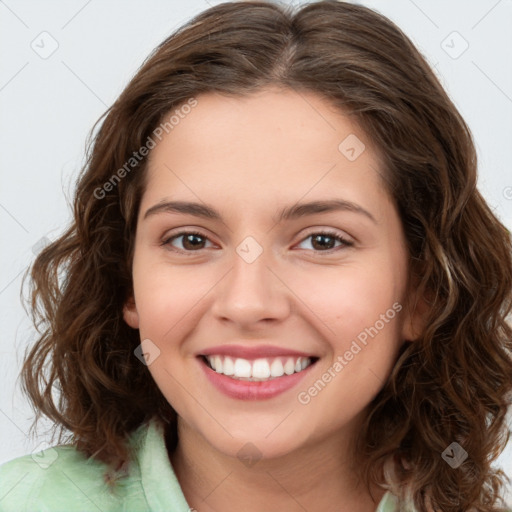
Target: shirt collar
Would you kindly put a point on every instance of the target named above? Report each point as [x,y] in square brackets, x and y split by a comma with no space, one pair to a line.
[159,482]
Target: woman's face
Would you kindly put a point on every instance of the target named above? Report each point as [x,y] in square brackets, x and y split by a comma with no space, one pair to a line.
[258,291]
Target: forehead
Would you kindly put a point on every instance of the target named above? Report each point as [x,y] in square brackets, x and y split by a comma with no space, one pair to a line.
[272,145]
[281,120]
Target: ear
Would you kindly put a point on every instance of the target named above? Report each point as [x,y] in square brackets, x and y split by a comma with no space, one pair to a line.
[130,314]
[416,312]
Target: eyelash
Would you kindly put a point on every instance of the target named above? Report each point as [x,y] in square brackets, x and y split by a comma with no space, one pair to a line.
[332,234]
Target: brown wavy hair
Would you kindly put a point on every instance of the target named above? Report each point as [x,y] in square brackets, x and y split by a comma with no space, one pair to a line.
[452,384]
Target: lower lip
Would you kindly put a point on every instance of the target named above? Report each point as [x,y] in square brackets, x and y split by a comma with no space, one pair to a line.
[252,390]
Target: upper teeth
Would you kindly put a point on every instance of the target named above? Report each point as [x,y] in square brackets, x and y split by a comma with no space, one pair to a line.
[258,369]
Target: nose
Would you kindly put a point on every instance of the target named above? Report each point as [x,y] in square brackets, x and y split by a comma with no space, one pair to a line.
[252,294]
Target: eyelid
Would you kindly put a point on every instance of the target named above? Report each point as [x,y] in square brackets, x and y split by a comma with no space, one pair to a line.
[328,231]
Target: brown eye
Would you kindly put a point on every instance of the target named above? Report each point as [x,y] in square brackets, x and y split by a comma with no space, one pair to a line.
[325,241]
[191,241]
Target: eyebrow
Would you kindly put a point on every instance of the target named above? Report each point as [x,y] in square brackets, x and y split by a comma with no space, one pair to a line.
[288,213]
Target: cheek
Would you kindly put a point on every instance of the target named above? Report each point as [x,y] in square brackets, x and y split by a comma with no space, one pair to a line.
[164,295]
[352,299]
[362,310]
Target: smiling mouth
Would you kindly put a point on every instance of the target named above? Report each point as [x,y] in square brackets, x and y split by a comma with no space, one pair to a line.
[257,370]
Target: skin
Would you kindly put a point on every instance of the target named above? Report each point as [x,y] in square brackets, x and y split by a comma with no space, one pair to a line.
[248,158]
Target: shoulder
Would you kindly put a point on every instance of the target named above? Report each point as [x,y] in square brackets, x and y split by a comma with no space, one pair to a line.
[61,478]
[390,503]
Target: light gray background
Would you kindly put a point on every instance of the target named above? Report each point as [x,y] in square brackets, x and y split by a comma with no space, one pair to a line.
[48,105]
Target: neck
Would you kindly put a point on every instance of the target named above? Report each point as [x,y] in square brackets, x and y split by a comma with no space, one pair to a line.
[310,478]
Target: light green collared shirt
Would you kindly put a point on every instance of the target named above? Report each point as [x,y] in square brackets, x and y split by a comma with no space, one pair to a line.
[62,479]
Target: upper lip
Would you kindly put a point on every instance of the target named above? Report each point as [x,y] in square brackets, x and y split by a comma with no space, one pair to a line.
[252,352]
